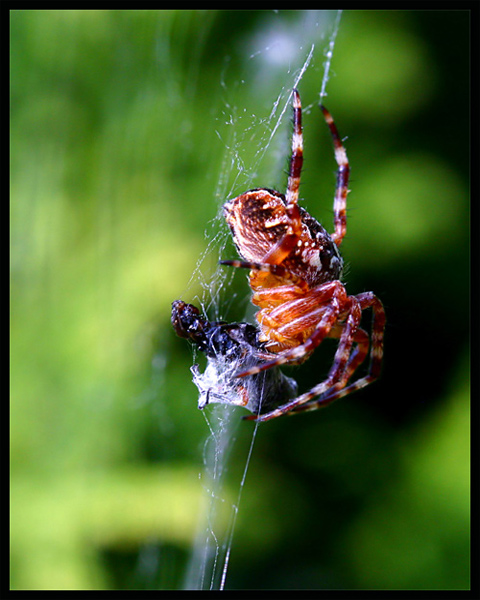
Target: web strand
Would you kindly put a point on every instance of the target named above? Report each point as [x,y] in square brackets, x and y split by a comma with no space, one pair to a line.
[222,427]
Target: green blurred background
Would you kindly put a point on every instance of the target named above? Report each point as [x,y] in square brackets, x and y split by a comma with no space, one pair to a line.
[128,131]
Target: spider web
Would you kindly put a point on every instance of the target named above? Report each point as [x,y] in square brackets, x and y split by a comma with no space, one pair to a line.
[210,559]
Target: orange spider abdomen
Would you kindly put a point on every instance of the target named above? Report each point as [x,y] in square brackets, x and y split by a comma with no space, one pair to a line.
[259,222]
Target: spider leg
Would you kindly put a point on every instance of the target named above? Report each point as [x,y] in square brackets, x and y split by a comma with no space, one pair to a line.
[343,173]
[284,246]
[358,355]
[296,158]
[342,356]
[278,270]
[319,321]
[367,299]
[339,390]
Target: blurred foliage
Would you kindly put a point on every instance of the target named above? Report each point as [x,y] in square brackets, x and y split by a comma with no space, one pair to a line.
[128,131]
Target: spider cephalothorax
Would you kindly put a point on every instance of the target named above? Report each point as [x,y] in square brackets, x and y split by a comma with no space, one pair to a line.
[295,269]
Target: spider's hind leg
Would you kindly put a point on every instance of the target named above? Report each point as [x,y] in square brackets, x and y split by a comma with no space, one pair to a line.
[343,174]
[296,158]
[279,251]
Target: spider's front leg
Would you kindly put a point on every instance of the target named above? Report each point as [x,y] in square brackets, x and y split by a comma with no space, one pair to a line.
[357,356]
[338,370]
[367,300]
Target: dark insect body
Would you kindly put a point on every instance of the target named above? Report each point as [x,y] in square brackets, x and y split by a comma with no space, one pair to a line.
[226,346]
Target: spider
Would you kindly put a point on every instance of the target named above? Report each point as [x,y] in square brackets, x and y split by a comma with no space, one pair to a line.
[295,270]
[226,346]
